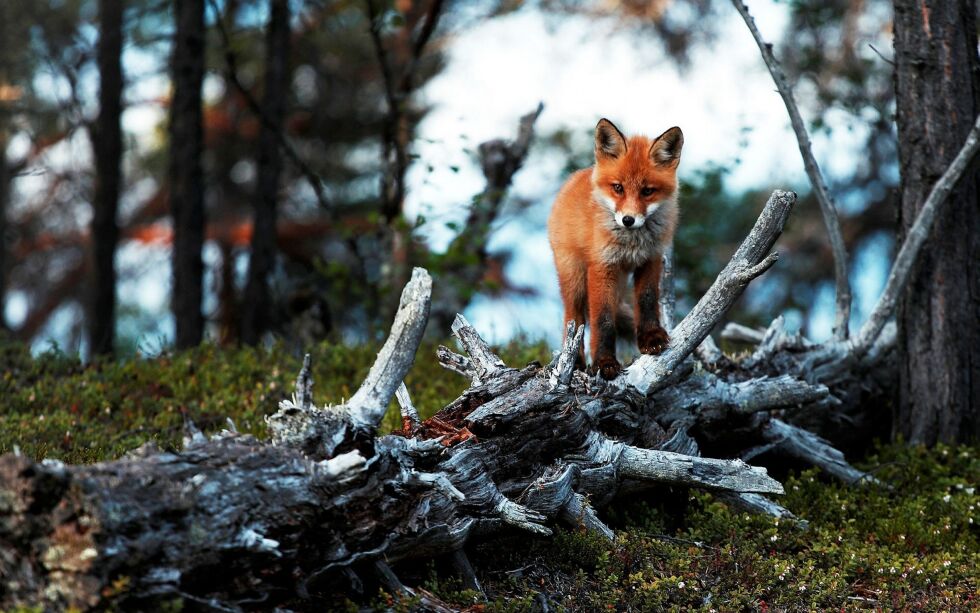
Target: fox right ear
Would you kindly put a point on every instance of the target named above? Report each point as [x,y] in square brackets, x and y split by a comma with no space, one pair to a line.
[666,149]
[609,141]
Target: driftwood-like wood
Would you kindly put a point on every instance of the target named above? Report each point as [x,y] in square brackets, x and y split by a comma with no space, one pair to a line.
[230,521]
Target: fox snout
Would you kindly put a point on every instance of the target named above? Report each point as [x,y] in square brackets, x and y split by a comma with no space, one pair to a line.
[630,220]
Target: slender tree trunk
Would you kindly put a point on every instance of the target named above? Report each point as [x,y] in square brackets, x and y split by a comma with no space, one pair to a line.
[227,318]
[186,175]
[937,83]
[255,320]
[6,76]
[4,199]
[107,145]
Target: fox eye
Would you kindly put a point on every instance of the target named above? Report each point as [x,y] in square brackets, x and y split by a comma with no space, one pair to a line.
[648,191]
[618,188]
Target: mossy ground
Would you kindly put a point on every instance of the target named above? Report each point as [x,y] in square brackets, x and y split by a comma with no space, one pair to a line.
[53,406]
[914,547]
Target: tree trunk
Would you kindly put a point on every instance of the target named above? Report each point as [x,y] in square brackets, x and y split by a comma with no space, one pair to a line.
[186,174]
[255,320]
[107,146]
[937,83]
[4,200]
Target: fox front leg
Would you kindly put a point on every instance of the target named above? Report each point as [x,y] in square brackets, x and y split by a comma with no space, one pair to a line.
[603,301]
[651,338]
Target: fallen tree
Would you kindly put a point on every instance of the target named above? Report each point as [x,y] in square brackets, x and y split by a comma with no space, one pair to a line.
[232,521]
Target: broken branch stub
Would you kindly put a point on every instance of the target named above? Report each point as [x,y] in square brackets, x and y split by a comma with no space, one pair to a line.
[368,405]
[321,432]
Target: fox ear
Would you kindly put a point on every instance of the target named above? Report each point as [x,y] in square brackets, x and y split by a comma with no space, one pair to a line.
[666,150]
[609,141]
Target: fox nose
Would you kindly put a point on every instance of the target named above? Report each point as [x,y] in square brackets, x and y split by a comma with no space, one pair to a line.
[628,221]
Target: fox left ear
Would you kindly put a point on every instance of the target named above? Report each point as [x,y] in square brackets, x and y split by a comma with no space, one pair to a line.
[666,149]
[609,141]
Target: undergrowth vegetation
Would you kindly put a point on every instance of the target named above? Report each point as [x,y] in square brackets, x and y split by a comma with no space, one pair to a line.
[914,546]
[54,407]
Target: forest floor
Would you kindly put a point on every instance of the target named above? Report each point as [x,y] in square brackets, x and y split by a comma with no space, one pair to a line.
[913,547]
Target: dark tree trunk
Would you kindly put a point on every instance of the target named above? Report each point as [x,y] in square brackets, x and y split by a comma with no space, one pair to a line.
[186,175]
[937,84]
[255,320]
[4,199]
[227,319]
[107,145]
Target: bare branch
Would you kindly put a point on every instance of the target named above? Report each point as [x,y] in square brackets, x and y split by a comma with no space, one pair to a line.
[710,397]
[369,403]
[757,503]
[742,334]
[563,365]
[827,206]
[304,385]
[707,473]
[450,360]
[500,160]
[709,353]
[397,91]
[418,47]
[484,360]
[917,236]
[521,517]
[811,448]
[578,512]
[465,570]
[668,298]
[751,259]
[409,413]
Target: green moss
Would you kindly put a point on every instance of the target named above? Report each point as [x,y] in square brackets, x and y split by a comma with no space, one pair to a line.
[55,407]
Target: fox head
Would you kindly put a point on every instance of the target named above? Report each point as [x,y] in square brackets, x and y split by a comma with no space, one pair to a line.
[634,177]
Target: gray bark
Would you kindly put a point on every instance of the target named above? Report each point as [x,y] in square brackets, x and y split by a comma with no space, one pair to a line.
[828,208]
[937,86]
[751,259]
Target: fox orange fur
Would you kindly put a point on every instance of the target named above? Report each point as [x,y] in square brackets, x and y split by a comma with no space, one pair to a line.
[611,220]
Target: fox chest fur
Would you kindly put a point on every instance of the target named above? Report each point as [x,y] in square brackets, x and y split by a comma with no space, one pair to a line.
[629,249]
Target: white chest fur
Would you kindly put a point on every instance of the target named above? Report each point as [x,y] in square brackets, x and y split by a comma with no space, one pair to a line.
[632,247]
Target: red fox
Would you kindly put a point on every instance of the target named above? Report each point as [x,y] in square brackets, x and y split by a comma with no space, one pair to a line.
[611,220]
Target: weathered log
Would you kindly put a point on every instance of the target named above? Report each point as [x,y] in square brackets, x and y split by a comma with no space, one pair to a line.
[231,520]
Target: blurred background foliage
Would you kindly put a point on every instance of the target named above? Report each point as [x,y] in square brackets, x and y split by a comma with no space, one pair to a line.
[352,132]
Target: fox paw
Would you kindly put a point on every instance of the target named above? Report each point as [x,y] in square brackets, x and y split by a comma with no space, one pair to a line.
[653,340]
[607,366]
